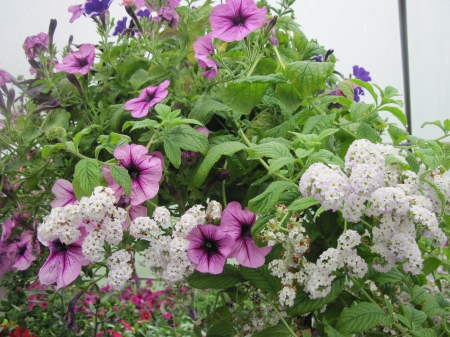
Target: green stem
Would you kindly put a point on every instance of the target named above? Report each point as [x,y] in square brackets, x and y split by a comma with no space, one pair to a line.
[366,223]
[224,195]
[253,66]
[280,316]
[315,107]
[275,49]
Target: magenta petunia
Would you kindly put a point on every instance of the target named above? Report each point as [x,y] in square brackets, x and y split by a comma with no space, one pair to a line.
[33,44]
[64,262]
[77,11]
[209,248]
[4,78]
[7,228]
[144,169]
[5,260]
[147,98]
[21,251]
[203,50]
[78,62]
[235,19]
[238,224]
[63,191]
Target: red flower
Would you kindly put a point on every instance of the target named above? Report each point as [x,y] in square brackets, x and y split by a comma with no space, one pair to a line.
[126,325]
[21,332]
[145,315]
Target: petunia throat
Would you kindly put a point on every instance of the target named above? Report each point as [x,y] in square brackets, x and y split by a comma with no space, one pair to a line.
[246,230]
[210,246]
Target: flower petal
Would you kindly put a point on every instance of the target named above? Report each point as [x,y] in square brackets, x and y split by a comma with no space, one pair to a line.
[248,254]
[63,191]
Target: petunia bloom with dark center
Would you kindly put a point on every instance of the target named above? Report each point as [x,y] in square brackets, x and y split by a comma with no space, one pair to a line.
[209,248]
[21,251]
[145,170]
[238,224]
[78,62]
[236,19]
[147,98]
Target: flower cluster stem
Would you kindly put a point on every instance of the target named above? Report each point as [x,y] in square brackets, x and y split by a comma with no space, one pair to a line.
[280,316]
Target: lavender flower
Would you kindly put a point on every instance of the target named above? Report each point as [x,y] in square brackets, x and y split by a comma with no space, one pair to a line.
[63,191]
[203,50]
[147,98]
[238,223]
[78,62]
[209,248]
[21,251]
[361,73]
[76,11]
[33,44]
[144,169]
[7,228]
[4,78]
[97,7]
[236,19]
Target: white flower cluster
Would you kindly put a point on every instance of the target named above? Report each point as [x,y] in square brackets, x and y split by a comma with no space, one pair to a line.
[166,255]
[328,185]
[162,217]
[144,226]
[96,214]
[214,210]
[120,270]
[443,183]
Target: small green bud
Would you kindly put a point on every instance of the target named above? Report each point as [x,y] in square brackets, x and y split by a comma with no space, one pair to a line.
[56,133]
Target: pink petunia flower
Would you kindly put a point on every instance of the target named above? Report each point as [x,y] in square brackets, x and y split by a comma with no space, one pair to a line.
[7,228]
[235,19]
[64,262]
[78,62]
[209,248]
[144,169]
[147,98]
[63,191]
[4,78]
[21,251]
[238,224]
[77,11]
[5,259]
[34,43]
[203,50]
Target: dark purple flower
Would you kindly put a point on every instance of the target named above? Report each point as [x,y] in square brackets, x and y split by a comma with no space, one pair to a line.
[144,169]
[121,26]
[4,78]
[209,248]
[361,73]
[236,19]
[21,251]
[318,58]
[356,92]
[238,224]
[63,191]
[189,158]
[78,62]
[147,98]
[64,262]
[33,44]
[170,15]
[143,13]
[96,7]
[76,11]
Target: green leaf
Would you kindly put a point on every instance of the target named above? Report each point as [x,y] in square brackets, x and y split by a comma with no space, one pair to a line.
[430,264]
[447,125]
[367,86]
[365,131]
[186,138]
[271,78]
[404,320]
[391,159]
[261,278]
[390,92]
[258,227]
[265,202]
[359,318]
[111,142]
[397,135]
[144,124]
[229,277]
[413,163]
[438,192]
[393,275]
[326,133]
[82,133]
[332,332]
[414,316]
[327,157]
[316,124]
[141,245]
[313,49]
[288,24]
[278,163]
[307,77]
[300,42]
[205,108]
[288,96]
[220,330]
[419,295]
[213,155]
[303,304]
[432,308]
[359,110]
[86,173]
[242,97]
[273,331]
[302,204]
[77,190]
[423,333]
[347,89]
[397,113]
[139,78]
[273,150]
[165,112]
[31,133]
[121,176]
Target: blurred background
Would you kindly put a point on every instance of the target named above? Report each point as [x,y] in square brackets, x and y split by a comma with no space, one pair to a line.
[361,32]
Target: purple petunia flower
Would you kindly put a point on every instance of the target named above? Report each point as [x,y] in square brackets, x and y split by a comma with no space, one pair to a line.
[7,228]
[204,49]
[143,13]
[317,58]
[97,7]
[5,260]
[121,26]
[4,78]
[63,191]
[235,19]
[21,251]
[77,11]
[144,169]
[209,248]
[134,211]
[33,44]
[170,15]
[238,224]
[361,73]
[78,62]
[147,98]
[64,262]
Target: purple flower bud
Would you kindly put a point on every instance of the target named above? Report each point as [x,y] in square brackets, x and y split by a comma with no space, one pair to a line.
[4,78]
[49,105]
[219,177]
[51,32]
[73,79]
[33,44]
[174,193]
[189,158]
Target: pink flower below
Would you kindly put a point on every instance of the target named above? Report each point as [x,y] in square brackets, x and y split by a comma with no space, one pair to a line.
[78,62]
[147,98]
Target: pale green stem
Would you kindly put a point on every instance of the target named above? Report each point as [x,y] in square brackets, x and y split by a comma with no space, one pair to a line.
[281,317]
[279,57]
[366,223]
